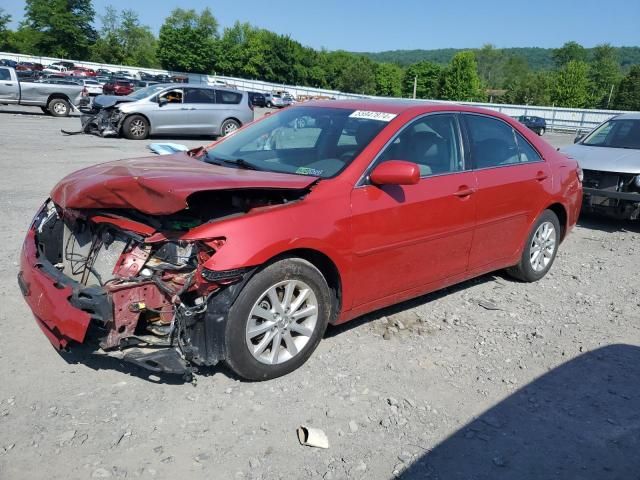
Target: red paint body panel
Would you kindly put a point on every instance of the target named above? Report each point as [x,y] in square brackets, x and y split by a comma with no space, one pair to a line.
[388,243]
[159,185]
[60,321]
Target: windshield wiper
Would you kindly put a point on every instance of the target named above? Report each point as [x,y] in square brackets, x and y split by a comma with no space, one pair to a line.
[238,162]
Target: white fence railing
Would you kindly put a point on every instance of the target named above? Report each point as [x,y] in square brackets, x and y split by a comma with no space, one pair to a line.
[557,118]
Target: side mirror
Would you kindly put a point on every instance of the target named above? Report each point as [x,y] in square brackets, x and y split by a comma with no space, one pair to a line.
[579,137]
[162,102]
[395,172]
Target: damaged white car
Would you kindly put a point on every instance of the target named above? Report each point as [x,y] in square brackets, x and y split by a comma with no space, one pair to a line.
[610,159]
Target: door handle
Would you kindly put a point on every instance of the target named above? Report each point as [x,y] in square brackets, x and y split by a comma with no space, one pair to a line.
[9,84]
[540,176]
[465,191]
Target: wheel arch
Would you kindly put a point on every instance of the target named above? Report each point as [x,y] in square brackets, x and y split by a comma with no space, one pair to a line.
[327,267]
[235,119]
[58,96]
[561,212]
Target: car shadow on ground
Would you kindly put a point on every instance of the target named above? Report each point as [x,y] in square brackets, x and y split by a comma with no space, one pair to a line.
[594,221]
[22,112]
[580,421]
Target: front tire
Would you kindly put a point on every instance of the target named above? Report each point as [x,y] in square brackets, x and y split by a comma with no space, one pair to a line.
[45,110]
[278,320]
[540,250]
[541,132]
[269,105]
[59,107]
[135,127]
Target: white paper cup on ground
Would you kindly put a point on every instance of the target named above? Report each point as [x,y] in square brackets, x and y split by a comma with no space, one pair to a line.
[312,437]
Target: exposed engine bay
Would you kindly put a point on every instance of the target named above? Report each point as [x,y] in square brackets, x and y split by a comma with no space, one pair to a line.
[616,194]
[150,298]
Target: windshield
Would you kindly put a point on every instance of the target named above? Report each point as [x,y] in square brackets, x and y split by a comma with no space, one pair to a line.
[616,134]
[147,91]
[314,141]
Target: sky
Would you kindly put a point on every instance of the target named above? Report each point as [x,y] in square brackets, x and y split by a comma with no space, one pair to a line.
[374,25]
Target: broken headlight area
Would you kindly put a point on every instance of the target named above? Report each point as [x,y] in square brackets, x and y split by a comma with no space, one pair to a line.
[150,303]
[610,193]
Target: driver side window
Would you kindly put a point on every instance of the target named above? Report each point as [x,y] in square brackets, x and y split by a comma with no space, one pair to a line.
[172,96]
[432,142]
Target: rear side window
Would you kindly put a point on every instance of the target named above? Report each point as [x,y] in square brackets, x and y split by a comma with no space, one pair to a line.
[4,74]
[199,95]
[229,98]
[495,143]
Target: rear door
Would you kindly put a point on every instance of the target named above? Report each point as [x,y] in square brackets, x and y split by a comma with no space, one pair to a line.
[227,106]
[9,88]
[512,183]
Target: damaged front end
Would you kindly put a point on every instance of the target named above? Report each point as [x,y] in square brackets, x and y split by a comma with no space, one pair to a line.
[612,194]
[103,118]
[125,283]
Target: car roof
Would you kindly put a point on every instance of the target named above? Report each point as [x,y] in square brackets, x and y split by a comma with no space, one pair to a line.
[628,116]
[399,105]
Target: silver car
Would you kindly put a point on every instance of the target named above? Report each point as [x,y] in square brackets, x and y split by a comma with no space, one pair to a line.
[610,159]
[175,109]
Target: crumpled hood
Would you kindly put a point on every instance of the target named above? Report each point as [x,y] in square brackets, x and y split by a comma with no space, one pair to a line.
[106,101]
[605,159]
[160,185]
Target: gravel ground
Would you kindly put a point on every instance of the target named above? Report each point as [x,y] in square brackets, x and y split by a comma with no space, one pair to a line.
[491,379]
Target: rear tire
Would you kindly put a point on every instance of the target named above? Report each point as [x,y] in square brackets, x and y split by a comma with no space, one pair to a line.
[540,250]
[541,132]
[228,126]
[59,107]
[269,105]
[295,333]
[135,127]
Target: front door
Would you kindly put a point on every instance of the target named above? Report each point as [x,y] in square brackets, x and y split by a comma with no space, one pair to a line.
[408,236]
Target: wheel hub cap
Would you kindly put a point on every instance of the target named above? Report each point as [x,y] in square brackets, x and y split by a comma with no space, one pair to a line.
[543,246]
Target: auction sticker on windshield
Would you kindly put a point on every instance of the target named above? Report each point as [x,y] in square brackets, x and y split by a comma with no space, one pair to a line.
[366,114]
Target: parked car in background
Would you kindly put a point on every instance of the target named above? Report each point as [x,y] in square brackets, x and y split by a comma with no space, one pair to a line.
[103,72]
[93,86]
[138,84]
[56,69]
[5,62]
[275,100]
[246,250]
[82,72]
[258,99]
[55,99]
[28,75]
[102,79]
[124,74]
[173,110]
[65,64]
[118,87]
[610,160]
[29,66]
[537,124]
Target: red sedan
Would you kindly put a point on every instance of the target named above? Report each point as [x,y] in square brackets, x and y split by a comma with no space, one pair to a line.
[118,87]
[246,250]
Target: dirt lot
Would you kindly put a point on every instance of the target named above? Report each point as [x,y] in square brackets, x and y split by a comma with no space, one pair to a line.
[492,379]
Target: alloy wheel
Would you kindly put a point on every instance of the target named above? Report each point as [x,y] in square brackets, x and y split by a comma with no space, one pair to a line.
[543,246]
[282,322]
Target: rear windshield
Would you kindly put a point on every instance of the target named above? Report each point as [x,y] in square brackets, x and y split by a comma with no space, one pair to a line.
[315,141]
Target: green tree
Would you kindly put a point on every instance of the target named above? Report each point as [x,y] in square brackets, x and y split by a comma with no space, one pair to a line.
[571,85]
[350,73]
[570,51]
[604,74]
[426,75]
[491,63]
[187,41]
[531,89]
[460,80]
[5,33]
[628,95]
[65,27]
[389,80]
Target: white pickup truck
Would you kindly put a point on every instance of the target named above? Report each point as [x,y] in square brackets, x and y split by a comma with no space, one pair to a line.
[57,100]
